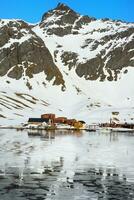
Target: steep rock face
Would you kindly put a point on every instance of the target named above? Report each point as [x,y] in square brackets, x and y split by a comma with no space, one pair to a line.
[23,53]
[63,21]
[120,56]
[92,69]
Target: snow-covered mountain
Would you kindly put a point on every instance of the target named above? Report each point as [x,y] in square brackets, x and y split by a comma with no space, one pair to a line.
[67,64]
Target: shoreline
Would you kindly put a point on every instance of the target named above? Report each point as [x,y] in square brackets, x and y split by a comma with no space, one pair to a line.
[100,129]
[47,129]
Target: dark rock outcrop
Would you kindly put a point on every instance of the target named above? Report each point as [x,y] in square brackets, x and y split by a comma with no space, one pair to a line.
[22,50]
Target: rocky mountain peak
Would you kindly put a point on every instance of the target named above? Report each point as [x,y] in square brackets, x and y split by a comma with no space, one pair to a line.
[62,6]
[59,11]
[63,21]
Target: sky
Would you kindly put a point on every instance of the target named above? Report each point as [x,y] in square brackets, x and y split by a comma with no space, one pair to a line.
[32,10]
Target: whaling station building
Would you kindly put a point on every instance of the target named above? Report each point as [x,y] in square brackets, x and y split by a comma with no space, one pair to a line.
[53,121]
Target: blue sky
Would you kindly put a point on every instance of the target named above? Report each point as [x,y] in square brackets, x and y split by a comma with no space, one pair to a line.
[32,10]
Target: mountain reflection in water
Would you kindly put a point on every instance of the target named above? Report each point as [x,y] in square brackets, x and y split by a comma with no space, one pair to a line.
[62,165]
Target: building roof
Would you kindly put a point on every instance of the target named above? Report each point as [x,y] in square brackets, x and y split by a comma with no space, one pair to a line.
[48,114]
[82,121]
[38,120]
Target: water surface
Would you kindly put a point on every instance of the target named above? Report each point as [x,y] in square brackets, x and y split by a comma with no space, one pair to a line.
[66,165]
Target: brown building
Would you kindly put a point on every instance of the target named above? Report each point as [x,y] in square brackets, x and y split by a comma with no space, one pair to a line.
[62,120]
[48,116]
[71,121]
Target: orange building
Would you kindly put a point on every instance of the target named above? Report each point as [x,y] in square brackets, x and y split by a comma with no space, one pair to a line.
[78,125]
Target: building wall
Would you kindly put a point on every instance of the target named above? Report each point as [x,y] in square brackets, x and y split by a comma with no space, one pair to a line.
[71,122]
[78,125]
[60,120]
[35,123]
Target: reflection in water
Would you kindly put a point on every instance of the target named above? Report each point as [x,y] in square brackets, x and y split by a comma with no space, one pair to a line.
[66,165]
[50,134]
[113,136]
[107,184]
